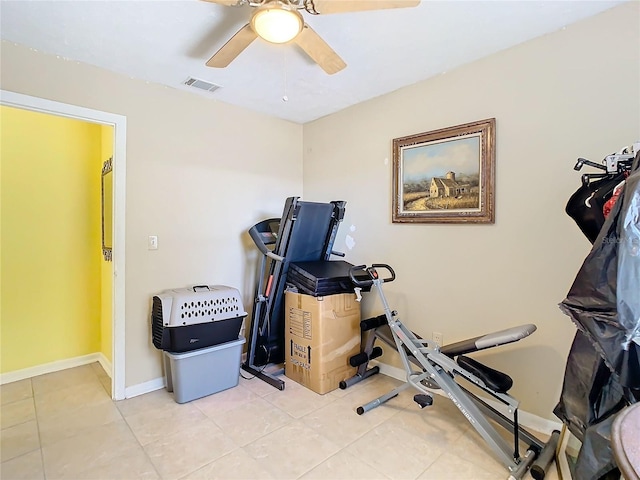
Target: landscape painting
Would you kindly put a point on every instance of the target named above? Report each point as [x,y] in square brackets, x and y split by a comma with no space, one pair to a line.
[445,176]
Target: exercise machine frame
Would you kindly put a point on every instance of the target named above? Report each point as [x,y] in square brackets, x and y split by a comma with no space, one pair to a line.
[439,367]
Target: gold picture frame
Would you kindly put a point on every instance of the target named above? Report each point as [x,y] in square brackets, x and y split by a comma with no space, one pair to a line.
[446,175]
[107,210]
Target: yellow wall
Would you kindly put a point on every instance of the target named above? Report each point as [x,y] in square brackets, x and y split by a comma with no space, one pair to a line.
[50,223]
[106,267]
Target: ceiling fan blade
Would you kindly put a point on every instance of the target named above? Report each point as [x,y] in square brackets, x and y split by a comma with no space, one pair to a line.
[226,3]
[319,50]
[234,47]
[343,6]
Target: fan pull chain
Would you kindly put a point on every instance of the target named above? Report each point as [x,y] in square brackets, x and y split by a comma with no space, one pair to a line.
[285,98]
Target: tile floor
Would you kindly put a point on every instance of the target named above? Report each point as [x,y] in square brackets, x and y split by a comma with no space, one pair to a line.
[63,425]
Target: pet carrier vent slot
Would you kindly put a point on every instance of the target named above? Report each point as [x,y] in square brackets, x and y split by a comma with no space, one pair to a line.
[210,309]
[157,326]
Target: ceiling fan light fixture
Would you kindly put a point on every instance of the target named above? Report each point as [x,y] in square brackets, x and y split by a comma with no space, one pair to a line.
[277,25]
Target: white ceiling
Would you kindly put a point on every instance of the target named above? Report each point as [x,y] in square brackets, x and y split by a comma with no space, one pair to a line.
[167,41]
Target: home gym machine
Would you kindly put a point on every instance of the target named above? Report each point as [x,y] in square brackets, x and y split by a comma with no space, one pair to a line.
[305,233]
[439,367]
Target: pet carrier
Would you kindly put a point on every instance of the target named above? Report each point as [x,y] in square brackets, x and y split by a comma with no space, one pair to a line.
[186,319]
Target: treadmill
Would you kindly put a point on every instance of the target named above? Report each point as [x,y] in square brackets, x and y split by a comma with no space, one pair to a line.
[305,232]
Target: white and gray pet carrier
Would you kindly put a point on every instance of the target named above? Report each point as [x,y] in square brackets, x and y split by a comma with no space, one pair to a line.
[186,319]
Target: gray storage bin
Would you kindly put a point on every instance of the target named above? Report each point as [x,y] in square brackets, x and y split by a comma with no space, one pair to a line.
[202,372]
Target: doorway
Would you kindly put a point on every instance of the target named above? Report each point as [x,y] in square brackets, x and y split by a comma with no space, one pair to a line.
[118,123]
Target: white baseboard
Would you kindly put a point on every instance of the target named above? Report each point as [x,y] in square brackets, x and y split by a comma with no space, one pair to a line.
[106,364]
[51,367]
[146,387]
[526,419]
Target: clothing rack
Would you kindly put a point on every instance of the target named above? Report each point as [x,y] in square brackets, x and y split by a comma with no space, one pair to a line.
[602,374]
[624,161]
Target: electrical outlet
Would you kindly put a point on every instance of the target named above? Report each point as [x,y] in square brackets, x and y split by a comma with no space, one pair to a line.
[438,338]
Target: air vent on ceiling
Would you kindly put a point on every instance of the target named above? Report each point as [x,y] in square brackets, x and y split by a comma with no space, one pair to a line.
[201,84]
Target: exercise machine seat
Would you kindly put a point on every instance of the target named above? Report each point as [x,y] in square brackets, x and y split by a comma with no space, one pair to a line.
[495,380]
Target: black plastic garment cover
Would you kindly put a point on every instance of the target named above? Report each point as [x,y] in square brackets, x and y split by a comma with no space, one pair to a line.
[590,390]
[604,300]
[596,459]
[591,397]
[603,368]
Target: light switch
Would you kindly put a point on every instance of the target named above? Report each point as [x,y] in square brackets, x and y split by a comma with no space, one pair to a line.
[153,242]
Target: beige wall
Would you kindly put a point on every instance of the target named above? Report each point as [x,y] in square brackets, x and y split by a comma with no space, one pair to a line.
[199,174]
[570,94]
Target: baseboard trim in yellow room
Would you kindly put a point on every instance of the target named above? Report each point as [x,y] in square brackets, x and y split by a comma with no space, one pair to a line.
[56,366]
[526,419]
[106,364]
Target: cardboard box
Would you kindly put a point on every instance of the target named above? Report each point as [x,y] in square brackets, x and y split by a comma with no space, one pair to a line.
[321,334]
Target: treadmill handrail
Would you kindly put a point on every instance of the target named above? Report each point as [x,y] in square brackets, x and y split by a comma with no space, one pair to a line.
[276,257]
[256,236]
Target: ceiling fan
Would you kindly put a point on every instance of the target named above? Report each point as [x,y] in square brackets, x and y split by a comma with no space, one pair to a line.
[280,21]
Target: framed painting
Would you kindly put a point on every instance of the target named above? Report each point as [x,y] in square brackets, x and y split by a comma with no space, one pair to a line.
[446,175]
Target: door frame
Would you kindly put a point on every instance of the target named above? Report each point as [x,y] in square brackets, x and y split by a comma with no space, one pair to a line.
[119,124]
